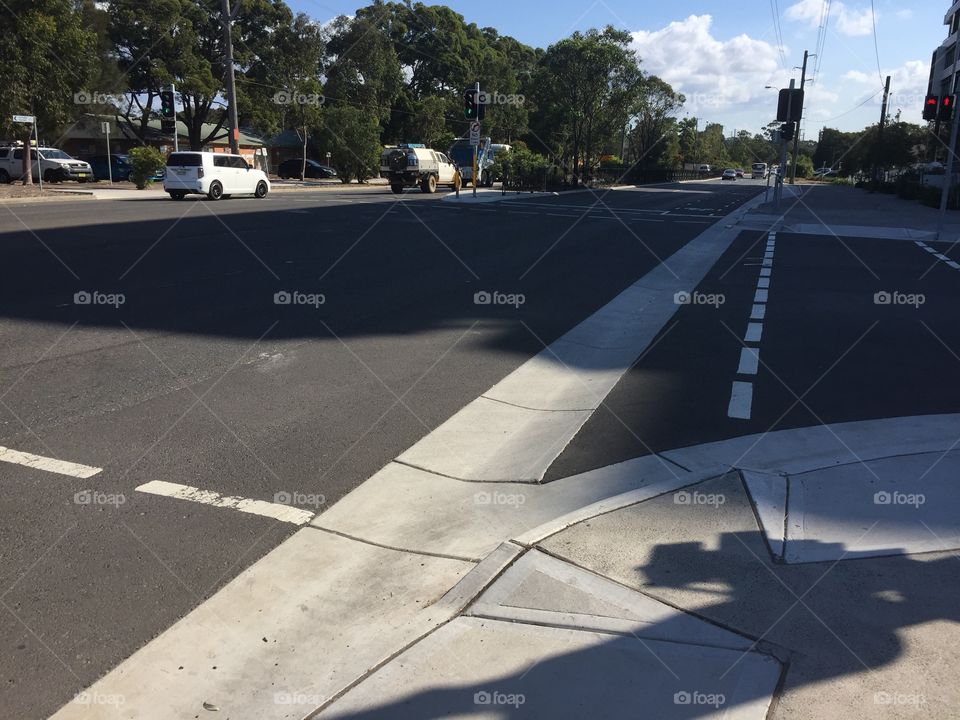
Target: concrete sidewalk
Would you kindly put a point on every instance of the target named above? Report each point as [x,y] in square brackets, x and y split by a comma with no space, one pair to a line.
[852,212]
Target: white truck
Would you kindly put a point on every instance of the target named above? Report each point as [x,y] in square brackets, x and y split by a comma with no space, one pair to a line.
[55,165]
[759,171]
[413,164]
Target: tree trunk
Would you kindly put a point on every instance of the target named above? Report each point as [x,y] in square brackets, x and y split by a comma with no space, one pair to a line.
[303,165]
[28,160]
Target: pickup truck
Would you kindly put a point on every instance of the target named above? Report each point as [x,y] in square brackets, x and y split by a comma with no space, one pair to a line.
[55,165]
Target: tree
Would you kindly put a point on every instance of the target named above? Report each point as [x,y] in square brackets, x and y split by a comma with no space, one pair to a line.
[652,114]
[353,137]
[47,57]
[588,81]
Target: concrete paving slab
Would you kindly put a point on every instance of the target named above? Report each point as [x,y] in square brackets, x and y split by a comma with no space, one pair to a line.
[291,631]
[481,668]
[543,590]
[495,442]
[408,508]
[811,448]
[893,506]
[875,639]
[860,231]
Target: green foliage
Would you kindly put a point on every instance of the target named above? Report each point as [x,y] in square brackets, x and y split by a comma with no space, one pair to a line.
[46,56]
[353,137]
[146,162]
[804,166]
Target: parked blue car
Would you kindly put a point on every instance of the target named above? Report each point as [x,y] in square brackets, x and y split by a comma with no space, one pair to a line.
[121,167]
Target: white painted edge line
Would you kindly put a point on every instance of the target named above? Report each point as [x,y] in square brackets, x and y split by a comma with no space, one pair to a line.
[39,462]
[754,332]
[758,312]
[749,361]
[929,249]
[277,511]
[741,400]
[920,243]
[761,296]
[767,262]
[953,264]
[941,256]
[765,272]
[764,281]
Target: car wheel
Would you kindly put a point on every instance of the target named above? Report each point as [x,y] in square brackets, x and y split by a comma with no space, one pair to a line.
[485,179]
[48,176]
[397,189]
[261,191]
[216,190]
[429,184]
[129,177]
[4,177]
[177,195]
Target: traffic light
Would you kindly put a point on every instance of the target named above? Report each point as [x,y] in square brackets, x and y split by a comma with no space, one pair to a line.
[931,106]
[787,130]
[473,109]
[166,104]
[945,109]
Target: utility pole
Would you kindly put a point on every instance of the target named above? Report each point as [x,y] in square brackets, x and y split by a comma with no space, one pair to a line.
[883,122]
[226,19]
[796,137]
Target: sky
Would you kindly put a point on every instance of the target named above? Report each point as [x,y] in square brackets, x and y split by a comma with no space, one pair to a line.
[722,53]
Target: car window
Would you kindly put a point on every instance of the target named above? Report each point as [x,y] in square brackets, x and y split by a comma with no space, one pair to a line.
[237,162]
[185,160]
[18,154]
[221,161]
[54,153]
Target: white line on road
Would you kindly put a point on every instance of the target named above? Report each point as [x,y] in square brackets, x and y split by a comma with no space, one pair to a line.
[741,399]
[61,467]
[754,332]
[749,360]
[758,312]
[277,511]
[953,264]
[761,296]
[765,272]
[763,282]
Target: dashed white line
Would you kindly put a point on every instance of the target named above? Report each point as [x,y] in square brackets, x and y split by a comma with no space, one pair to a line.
[749,361]
[758,312]
[765,272]
[763,282]
[754,332]
[953,264]
[761,296]
[277,511]
[741,400]
[39,462]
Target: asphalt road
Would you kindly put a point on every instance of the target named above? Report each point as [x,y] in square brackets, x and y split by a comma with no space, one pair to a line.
[184,368]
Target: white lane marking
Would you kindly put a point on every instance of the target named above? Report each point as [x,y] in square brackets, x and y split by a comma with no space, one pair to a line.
[920,243]
[941,256]
[754,332]
[953,264]
[929,249]
[763,282]
[768,255]
[761,296]
[277,511]
[39,462]
[768,262]
[765,272]
[741,398]
[749,360]
[758,312]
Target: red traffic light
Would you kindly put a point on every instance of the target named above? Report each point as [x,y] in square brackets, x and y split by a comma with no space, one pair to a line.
[945,111]
[930,106]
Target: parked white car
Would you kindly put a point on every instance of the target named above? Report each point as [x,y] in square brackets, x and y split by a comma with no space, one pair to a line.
[216,175]
[54,163]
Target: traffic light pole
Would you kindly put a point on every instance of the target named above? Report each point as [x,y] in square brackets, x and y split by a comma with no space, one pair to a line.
[948,178]
[778,192]
[226,19]
[176,130]
[476,88]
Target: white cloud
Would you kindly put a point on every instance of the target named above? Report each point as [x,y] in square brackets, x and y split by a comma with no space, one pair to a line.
[908,86]
[846,21]
[715,75]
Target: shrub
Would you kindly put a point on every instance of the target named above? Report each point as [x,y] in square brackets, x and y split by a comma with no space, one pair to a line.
[146,162]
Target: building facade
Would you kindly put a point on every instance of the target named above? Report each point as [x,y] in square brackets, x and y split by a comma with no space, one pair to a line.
[945,63]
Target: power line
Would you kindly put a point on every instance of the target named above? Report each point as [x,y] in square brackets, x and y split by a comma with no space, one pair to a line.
[855,107]
[876,45]
[822,36]
[777,30]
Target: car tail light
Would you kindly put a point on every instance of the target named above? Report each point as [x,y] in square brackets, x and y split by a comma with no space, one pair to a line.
[199,173]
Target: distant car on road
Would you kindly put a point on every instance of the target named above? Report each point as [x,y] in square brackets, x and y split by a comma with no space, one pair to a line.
[314,170]
[703,168]
[216,175]
[729,174]
[759,171]
[413,164]
[739,172]
[121,168]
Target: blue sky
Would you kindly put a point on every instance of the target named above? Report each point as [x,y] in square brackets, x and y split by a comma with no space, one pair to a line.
[721,53]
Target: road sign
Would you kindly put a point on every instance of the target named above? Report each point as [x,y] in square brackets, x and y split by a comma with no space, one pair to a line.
[24,118]
[474,133]
[105,128]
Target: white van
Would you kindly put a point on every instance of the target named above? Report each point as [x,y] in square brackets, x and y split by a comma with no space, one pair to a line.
[216,175]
